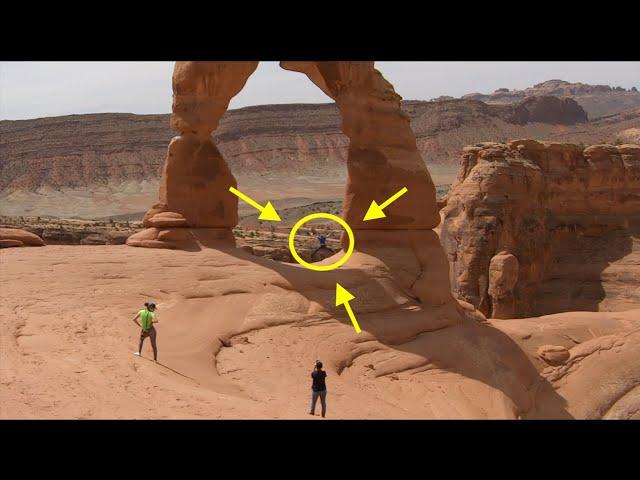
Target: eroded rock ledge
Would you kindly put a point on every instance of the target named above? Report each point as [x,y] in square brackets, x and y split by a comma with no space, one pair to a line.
[533,228]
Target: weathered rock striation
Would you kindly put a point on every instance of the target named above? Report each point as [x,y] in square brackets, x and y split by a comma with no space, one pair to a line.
[534,228]
[68,166]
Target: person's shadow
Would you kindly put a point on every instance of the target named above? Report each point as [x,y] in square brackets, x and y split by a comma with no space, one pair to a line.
[321,253]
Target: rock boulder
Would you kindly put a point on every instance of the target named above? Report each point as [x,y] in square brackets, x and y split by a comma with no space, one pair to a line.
[15,237]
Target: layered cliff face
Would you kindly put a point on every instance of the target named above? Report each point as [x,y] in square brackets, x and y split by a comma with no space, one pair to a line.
[81,150]
[76,151]
[93,166]
[534,228]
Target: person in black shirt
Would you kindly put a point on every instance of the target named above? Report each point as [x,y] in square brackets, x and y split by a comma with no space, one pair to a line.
[318,389]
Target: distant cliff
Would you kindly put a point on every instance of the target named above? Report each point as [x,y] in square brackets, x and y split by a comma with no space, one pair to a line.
[597,100]
[78,151]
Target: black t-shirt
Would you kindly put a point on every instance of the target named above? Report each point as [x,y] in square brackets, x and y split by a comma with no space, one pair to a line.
[318,384]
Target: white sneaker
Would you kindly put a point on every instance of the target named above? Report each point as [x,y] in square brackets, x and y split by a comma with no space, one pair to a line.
[136,353]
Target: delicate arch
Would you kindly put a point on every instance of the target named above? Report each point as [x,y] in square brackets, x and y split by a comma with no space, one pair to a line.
[383,155]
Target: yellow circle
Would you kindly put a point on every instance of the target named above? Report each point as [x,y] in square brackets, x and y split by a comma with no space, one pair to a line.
[321,268]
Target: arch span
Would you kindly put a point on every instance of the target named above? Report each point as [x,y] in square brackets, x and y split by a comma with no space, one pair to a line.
[195,207]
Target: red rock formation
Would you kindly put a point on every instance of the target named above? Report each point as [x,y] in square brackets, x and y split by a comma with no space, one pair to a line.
[383,155]
[553,354]
[15,237]
[597,100]
[383,158]
[195,179]
[534,228]
[503,277]
[554,110]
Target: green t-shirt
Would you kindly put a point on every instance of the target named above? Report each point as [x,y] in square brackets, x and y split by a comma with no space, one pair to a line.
[147,318]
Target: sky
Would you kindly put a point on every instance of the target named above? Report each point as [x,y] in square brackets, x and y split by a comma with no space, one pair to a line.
[45,89]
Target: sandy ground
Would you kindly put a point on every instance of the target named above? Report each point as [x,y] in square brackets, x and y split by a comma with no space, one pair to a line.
[67,343]
[133,197]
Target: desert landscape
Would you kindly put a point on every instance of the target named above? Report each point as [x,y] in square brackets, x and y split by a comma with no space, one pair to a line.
[503,284]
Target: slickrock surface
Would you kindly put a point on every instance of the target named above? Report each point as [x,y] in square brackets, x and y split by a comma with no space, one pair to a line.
[238,336]
[534,228]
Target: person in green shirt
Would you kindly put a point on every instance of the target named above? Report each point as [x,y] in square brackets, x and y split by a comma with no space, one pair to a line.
[147,317]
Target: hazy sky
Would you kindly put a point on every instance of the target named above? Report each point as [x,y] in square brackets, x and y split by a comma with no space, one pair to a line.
[43,89]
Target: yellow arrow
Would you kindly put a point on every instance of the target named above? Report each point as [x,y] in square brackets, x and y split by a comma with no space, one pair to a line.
[343,297]
[267,212]
[375,210]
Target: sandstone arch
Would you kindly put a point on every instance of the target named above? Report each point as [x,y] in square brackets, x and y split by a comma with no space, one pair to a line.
[383,155]
[195,207]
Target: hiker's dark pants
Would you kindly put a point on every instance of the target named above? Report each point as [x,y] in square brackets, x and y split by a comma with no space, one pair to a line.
[151,333]
[323,401]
